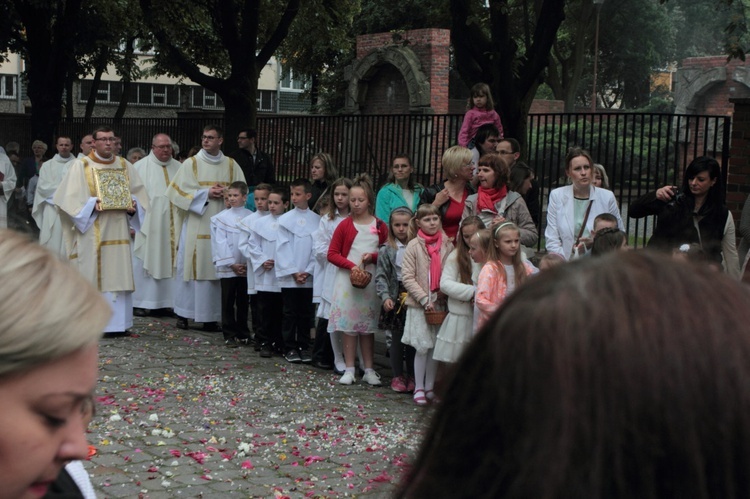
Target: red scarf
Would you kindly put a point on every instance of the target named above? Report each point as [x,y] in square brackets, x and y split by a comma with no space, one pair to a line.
[433,244]
[487,198]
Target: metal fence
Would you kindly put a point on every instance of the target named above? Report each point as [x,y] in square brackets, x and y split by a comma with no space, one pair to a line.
[639,151]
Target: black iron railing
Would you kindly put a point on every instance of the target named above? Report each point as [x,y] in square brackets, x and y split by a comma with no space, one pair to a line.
[640,152]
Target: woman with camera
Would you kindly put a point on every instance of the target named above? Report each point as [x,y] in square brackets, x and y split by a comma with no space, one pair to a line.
[695,213]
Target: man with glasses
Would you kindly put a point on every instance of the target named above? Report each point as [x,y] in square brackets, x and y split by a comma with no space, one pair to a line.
[255,164]
[197,191]
[156,243]
[97,235]
[510,149]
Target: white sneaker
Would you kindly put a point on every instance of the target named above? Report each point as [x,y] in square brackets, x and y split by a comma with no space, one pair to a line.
[347,378]
[372,378]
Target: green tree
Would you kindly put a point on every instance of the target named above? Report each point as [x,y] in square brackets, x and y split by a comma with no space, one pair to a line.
[320,44]
[506,44]
[221,45]
[44,33]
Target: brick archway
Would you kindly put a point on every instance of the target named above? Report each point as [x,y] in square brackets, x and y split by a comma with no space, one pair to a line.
[408,65]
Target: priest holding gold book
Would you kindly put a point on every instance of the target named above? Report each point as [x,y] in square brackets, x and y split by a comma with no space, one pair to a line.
[100,199]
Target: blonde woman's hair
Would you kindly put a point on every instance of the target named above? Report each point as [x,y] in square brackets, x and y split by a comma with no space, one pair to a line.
[603,173]
[47,309]
[453,159]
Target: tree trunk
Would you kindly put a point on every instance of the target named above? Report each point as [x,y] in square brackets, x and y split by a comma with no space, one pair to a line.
[48,58]
[100,66]
[240,111]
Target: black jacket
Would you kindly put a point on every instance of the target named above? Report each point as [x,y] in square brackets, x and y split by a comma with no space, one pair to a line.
[256,172]
[675,226]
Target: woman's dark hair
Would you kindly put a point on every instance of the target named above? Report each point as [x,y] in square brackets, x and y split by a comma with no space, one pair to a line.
[631,398]
[715,196]
[410,184]
[518,174]
[499,165]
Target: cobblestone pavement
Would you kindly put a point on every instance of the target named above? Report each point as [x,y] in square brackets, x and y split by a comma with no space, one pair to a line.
[181,415]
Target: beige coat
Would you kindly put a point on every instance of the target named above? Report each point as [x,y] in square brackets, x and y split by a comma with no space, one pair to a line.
[415,269]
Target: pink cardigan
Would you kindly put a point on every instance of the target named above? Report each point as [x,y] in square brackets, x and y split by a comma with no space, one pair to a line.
[343,238]
[473,119]
[492,286]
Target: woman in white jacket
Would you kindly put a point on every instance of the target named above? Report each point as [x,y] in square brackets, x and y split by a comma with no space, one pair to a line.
[576,205]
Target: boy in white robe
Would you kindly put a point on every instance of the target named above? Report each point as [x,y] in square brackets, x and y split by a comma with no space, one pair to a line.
[231,266]
[294,268]
[246,227]
[261,251]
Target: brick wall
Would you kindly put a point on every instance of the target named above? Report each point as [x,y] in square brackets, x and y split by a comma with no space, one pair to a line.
[431,46]
[547,106]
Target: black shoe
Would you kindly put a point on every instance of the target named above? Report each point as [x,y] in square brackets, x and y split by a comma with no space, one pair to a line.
[266,351]
[141,312]
[211,327]
[322,365]
[162,312]
[292,356]
[182,323]
[305,356]
[117,334]
[231,343]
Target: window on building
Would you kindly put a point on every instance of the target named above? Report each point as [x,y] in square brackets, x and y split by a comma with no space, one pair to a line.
[8,86]
[141,94]
[204,98]
[266,101]
[290,83]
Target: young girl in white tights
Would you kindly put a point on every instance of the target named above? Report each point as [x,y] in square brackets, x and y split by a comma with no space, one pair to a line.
[424,258]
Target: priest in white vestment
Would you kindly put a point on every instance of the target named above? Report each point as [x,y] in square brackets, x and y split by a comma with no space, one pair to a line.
[198,192]
[7,186]
[44,211]
[98,242]
[155,247]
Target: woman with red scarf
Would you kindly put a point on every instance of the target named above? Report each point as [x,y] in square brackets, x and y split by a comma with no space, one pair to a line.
[494,203]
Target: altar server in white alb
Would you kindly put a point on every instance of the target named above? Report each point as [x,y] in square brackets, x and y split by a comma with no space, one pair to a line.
[155,246]
[260,249]
[246,227]
[97,241]
[44,211]
[198,192]
[7,186]
[294,268]
[231,266]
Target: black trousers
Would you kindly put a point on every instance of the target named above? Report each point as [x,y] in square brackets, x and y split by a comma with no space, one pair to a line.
[234,306]
[322,350]
[269,306]
[299,311]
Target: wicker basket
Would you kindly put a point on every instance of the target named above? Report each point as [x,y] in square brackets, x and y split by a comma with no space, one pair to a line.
[360,278]
[436,317]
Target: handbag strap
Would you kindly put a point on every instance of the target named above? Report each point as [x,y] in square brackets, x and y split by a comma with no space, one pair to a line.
[585,219]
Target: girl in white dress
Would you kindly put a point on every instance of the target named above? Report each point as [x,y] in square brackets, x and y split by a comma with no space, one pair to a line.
[456,283]
[355,311]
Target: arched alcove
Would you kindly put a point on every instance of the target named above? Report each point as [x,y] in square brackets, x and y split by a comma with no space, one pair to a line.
[406,62]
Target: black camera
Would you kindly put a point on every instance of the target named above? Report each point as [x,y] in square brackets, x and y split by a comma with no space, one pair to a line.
[677,196]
